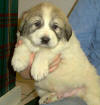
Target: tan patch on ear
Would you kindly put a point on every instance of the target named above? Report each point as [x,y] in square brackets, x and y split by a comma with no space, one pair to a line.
[23,17]
[25,14]
[21,21]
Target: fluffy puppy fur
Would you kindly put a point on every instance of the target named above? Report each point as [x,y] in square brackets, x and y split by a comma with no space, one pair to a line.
[46,31]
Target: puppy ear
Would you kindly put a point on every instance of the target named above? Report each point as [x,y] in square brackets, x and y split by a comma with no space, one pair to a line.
[68,31]
[22,23]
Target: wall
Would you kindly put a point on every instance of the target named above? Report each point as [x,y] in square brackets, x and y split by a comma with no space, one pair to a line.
[65,5]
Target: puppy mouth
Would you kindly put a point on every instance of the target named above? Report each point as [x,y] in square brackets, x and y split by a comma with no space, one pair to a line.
[45,44]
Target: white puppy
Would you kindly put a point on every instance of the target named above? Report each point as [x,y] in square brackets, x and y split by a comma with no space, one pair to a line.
[46,31]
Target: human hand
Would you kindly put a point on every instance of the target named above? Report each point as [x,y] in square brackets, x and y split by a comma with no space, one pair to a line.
[53,66]
[55,63]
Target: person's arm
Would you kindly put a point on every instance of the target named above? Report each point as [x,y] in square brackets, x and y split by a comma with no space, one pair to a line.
[94,57]
[85,20]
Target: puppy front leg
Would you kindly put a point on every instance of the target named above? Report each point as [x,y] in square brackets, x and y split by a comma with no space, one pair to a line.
[20,58]
[40,67]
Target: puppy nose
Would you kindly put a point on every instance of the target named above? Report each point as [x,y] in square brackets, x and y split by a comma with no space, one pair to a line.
[45,40]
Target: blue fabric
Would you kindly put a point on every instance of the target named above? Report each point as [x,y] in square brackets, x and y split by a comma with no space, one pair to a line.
[68,101]
[85,21]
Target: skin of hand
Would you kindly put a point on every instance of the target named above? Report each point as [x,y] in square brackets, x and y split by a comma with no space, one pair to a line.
[26,73]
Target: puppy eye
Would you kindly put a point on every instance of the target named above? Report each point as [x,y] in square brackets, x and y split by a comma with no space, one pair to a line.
[37,24]
[55,27]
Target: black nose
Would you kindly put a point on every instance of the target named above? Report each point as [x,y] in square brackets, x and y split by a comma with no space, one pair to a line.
[45,40]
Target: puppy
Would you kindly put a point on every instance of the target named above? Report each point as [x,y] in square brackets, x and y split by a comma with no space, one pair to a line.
[46,29]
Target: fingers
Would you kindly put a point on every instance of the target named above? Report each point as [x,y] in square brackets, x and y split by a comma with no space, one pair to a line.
[55,63]
[18,43]
[54,67]
[31,58]
[56,59]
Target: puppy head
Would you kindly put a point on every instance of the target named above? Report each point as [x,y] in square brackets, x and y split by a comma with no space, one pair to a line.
[45,25]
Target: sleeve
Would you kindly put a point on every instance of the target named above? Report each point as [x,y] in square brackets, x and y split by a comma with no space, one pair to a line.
[94,56]
[85,22]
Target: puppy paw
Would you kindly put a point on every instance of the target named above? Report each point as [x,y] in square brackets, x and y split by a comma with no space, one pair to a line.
[39,71]
[48,98]
[19,63]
